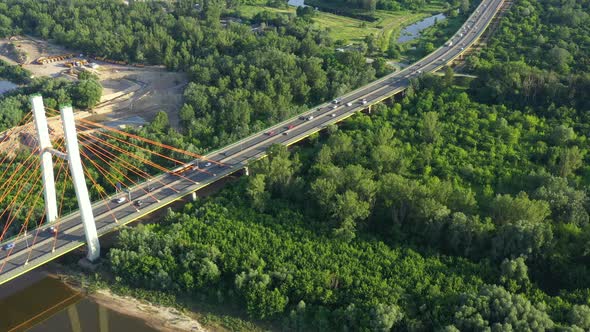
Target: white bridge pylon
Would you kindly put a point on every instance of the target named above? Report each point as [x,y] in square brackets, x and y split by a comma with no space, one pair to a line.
[72,155]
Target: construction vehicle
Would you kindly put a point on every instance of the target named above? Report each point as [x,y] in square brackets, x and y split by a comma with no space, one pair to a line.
[76,63]
[44,60]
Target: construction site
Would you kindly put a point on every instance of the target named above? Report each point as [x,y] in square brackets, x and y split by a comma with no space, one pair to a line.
[132,93]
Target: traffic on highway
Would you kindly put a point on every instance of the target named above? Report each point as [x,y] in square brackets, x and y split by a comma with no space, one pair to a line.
[50,241]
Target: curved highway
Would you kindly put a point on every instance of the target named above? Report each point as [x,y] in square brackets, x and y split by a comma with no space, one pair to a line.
[163,189]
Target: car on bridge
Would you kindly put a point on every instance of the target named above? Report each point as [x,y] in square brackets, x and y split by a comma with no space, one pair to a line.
[120,200]
[8,246]
[138,203]
[52,230]
[207,164]
[349,104]
[271,133]
[336,101]
[363,101]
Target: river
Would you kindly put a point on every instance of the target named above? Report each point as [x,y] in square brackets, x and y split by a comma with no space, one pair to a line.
[41,303]
[296,3]
[413,31]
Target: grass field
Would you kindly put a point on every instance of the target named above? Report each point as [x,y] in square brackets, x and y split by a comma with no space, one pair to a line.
[350,30]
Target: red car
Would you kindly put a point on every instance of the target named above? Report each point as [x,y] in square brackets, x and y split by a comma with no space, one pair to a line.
[290,127]
[271,133]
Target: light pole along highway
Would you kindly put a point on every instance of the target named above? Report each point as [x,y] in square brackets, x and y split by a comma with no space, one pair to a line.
[168,187]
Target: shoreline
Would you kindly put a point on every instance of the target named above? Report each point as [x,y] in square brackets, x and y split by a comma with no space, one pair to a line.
[159,317]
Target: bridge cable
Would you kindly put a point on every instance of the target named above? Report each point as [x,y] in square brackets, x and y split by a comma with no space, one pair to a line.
[152,142]
[15,197]
[131,167]
[100,192]
[165,170]
[61,166]
[140,147]
[98,154]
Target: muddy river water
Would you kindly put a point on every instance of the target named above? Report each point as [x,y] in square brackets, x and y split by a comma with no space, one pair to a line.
[41,303]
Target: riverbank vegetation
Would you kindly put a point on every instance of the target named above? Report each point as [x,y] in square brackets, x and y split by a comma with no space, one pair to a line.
[420,216]
[456,208]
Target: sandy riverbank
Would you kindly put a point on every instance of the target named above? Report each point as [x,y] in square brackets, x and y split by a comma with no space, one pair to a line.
[159,317]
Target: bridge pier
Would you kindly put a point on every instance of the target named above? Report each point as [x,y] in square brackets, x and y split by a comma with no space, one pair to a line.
[103,319]
[246,171]
[74,318]
[194,196]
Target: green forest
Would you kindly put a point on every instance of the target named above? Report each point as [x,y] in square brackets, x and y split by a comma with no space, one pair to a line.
[413,218]
[460,207]
[241,80]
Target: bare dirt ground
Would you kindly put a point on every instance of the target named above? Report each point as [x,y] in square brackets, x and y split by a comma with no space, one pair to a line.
[129,92]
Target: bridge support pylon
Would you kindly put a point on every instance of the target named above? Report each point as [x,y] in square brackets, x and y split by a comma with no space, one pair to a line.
[67,117]
[46,158]
[73,157]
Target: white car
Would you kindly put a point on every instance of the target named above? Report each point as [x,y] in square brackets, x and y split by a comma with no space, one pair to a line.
[207,164]
[335,101]
[121,199]
[334,106]
[310,117]
[333,115]
[363,101]
[349,104]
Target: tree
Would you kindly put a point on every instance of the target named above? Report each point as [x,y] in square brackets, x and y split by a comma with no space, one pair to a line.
[449,76]
[160,122]
[567,204]
[559,58]
[570,159]
[495,309]
[430,127]
[507,209]
[580,316]
[187,115]
[521,238]
[86,93]
[514,273]
[464,6]
[256,190]
[383,317]
[561,135]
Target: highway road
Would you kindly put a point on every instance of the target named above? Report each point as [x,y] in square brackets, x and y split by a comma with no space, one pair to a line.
[166,188]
